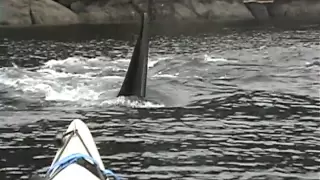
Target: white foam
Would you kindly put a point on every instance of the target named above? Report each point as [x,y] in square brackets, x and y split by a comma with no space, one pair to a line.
[76,80]
[122,101]
[153,62]
[166,75]
[207,58]
[123,61]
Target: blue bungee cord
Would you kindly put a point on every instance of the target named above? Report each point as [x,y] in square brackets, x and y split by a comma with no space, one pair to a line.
[63,163]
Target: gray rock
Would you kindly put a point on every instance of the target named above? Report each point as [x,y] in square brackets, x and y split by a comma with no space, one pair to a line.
[222,10]
[93,14]
[96,13]
[258,10]
[15,12]
[66,3]
[183,12]
[121,11]
[54,12]
[164,11]
[297,9]
[201,9]
[78,7]
[51,13]
[117,2]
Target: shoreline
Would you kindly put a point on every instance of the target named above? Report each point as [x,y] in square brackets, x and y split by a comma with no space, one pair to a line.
[173,24]
[128,32]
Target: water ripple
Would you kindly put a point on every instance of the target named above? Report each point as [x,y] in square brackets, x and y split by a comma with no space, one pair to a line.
[231,105]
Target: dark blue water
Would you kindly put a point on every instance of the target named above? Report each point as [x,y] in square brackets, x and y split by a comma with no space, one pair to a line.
[233,103]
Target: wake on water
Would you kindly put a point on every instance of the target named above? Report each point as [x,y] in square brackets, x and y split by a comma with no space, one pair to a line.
[79,81]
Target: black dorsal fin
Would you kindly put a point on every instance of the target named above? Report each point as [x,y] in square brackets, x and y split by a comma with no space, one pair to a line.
[135,80]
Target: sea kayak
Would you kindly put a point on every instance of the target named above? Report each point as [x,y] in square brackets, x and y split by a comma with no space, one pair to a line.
[77,157]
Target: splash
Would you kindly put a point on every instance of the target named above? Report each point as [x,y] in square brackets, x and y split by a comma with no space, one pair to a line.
[124,101]
[75,80]
[207,58]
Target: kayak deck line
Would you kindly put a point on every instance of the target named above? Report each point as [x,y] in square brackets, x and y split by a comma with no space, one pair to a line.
[86,161]
[77,157]
[60,141]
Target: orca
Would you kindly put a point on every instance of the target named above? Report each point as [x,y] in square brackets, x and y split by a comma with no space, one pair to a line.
[135,81]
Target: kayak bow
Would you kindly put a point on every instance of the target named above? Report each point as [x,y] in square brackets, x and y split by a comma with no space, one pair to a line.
[78,157]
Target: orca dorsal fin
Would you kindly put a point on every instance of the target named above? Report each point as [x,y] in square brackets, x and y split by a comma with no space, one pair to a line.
[135,81]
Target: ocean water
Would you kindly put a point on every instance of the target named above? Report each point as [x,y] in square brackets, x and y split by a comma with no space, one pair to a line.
[233,103]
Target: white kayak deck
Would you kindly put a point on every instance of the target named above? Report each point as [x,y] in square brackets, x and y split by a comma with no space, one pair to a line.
[76,146]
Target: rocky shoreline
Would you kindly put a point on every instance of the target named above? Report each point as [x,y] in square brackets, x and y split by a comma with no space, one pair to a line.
[61,12]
